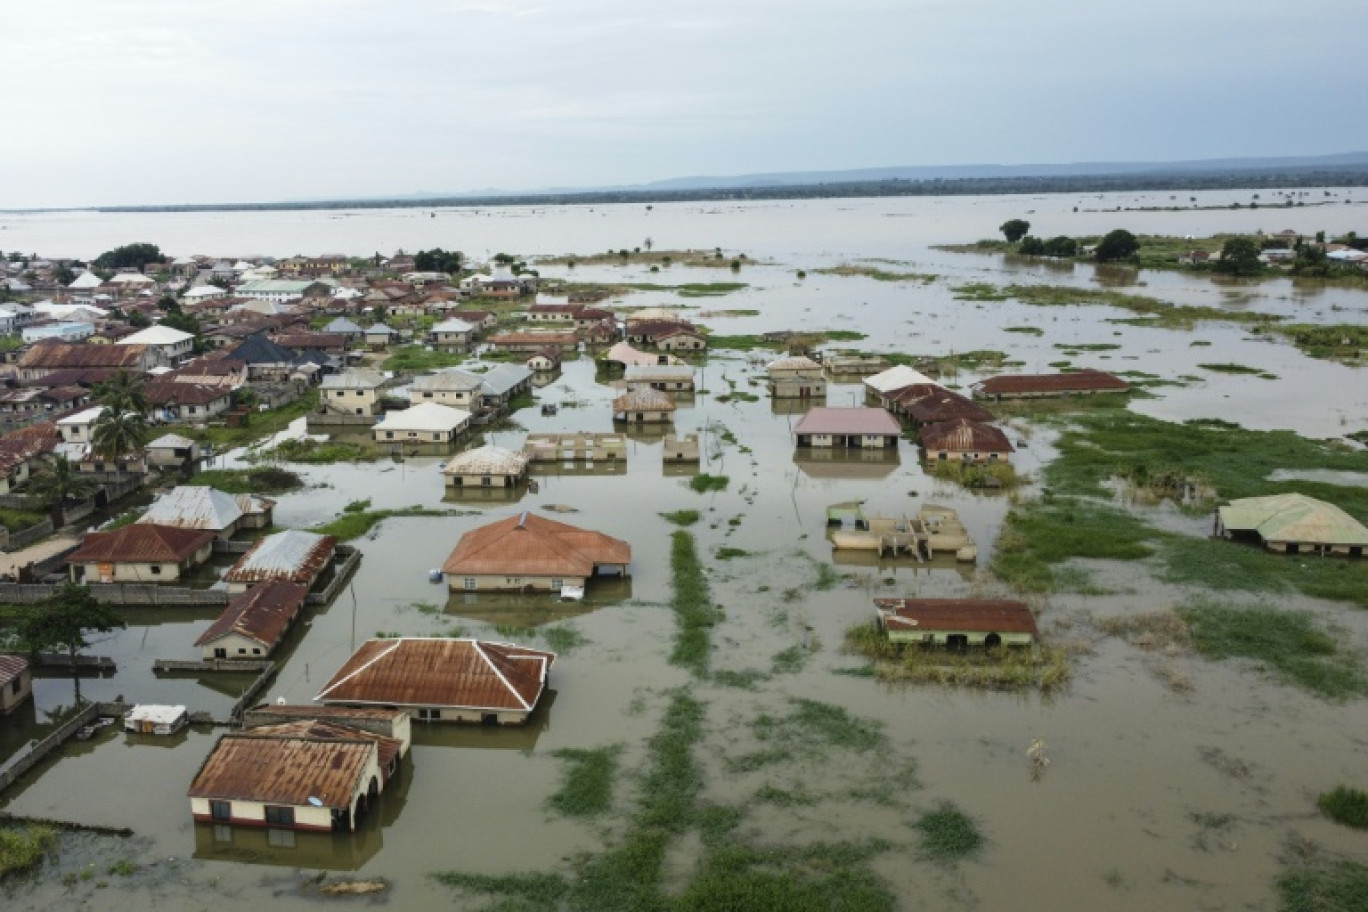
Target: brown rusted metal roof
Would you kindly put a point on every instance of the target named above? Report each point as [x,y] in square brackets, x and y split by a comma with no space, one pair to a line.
[287,771]
[1086,380]
[291,555]
[856,420]
[937,614]
[940,405]
[262,613]
[441,672]
[963,436]
[59,355]
[11,667]
[644,399]
[309,711]
[531,545]
[140,542]
[328,730]
[171,392]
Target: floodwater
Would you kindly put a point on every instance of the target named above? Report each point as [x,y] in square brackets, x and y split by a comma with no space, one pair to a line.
[1115,821]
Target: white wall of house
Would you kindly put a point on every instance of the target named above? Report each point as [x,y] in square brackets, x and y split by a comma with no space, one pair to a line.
[234,646]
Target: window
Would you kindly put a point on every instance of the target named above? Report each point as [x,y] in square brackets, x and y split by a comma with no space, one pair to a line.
[280,839]
[557,584]
[242,650]
[256,650]
[223,833]
[429,715]
[485,480]
[470,583]
[221,810]
[156,569]
[280,816]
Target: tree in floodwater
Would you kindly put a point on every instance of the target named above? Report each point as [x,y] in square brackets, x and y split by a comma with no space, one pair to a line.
[1239,257]
[1014,229]
[1117,245]
[61,622]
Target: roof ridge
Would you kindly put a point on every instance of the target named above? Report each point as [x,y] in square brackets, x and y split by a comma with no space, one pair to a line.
[479,648]
[380,655]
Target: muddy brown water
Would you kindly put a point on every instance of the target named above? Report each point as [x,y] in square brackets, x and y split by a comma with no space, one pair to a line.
[1114,821]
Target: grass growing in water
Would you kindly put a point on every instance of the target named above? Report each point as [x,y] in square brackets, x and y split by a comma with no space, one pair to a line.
[1046,668]
[262,480]
[1324,886]
[587,778]
[1290,643]
[319,452]
[874,272]
[563,639]
[22,848]
[703,483]
[356,524]
[1041,534]
[682,517]
[692,604]
[948,835]
[692,289]
[1225,566]
[811,726]
[417,358]
[1345,805]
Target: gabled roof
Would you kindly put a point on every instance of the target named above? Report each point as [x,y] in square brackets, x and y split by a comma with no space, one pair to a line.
[173,392]
[944,405]
[360,378]
[292,555]
[855,420]
[157,335]
[425,416]
[1086,379]
[11,667]
[257,349]
[86,279]
[443,672]
[531,545]
[380,329]
[963,436]
[1293,518]
[948,614]
[138,543]
[58,355]
[453,325]
[504,378]
[626,354]
[644,399]
[170,442]
[895,377]
[795,363]
[246,766]
[447,380]
[486,460]
[331,728]
[261,614]
[342,325]
[194,507]
[665,372]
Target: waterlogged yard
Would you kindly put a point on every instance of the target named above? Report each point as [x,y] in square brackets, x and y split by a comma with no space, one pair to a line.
[726,732]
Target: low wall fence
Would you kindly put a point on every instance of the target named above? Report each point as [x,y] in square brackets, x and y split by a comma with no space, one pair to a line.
[27,758]
[22,502]
[119,594]
[228,546]
[350,559]
[26,537]
[331,419]
[229,666]
[249,697]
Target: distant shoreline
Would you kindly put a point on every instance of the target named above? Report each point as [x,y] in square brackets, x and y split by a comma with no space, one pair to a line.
[1257,179]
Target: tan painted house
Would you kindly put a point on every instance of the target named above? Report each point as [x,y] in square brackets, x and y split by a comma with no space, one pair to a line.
[16,682]
[572,447]
[850,428]
[452,387]
[486,467]
[668,378]
[798,377]
[254,622]
[956,623]
[427,423]
[442,679]
[529,552]
[352,392]
[644,406]
[140,553]
[965,441]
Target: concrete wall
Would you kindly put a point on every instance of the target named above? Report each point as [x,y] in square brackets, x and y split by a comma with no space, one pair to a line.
[457,583]
[118,594]
[24,761]
[253,813]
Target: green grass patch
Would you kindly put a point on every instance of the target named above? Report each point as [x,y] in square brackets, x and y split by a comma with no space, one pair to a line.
[979,291]
[1039,535]
[259,480]
[728,553]
[1225,566]
[683,517]
[356,524]
[561,639]
[418,358]
[259,424]
[1045,668]
[692,289]
[693,608]
[703,483]
[318,452]
[1149,311]
[812,726]
[948,835]
[587,778]
[18,520]
[518,891]
[791,660]
[747,679]
[1345,805]
[1230,368]
[1339,342]
[23,848]
[877,274]
[1073,347]
[1324,886]
[1289,643]
[1026,330]
[991,475]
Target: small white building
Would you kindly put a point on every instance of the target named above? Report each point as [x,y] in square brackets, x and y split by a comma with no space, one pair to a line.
[155,719]
[174,345]
[424,423]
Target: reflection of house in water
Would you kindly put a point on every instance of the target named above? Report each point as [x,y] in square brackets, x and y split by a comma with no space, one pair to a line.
[846,464]
[934,530]
[518,610]
[491,737]
[294,848]
[903,564]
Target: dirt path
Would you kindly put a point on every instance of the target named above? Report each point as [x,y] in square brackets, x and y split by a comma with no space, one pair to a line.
[11,562]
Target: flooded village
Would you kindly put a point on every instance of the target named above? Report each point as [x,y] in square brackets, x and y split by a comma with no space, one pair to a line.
[813,555]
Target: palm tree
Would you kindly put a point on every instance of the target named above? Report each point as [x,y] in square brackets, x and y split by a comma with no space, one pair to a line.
[116,434]
[59,482]
[122,392]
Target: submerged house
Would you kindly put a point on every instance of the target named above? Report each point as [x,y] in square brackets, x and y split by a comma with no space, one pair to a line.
[208,509]
[956,623]
[530,552]
[140,553]
[798,377]
[292,556]
[254,622]
[1294,524]
[352,392]
[486,466]
[441,679]
[1030,386]
[172,450]
[427,422]
[849,427]
[16,682]
[965,441]
[640,406]
[676,378]
[310,774]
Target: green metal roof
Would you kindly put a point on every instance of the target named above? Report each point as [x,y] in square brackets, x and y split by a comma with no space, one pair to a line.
[1293,518]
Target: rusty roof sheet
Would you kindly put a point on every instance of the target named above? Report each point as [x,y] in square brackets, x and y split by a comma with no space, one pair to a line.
[138,543]
[531,545]
[856,420]
[942,406]
[937,614]
[1086,379]
[11,667]
[262,614]
[329,730]
[60,355]
[310,711]
[644,399]
[172,392]
[963,436]
[292,555]
[288,771]
[441,672]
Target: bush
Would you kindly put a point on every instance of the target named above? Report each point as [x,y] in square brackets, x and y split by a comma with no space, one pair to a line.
[1345,805]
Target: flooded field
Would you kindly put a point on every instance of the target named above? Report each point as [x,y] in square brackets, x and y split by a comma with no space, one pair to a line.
[1173,781]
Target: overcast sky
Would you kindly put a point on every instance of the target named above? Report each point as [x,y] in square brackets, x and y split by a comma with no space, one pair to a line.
[167,101]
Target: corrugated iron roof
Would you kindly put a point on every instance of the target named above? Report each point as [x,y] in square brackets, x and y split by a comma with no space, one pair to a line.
[450,380]
[286,771]
[936,614]
[359,378]
[59,355]
[441,671]
[425,416]
[293,555]
[963,436]
[941,406]
[486,460]
[11,667]
[899,375]
[1293,518]
[138,543]
[262,613]
[329,730]
[531,545]
[1085,380]
[194,507]
[851,420]
[644,399]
